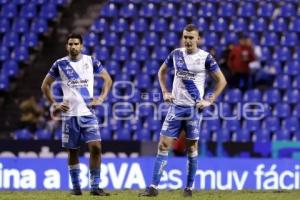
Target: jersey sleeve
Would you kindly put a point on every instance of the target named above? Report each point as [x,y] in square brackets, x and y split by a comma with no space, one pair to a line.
[97,66]
[211,64]
[169,60]
[54,71]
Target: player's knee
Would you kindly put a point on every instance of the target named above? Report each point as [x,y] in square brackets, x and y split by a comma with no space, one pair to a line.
[163,146]
[95,150]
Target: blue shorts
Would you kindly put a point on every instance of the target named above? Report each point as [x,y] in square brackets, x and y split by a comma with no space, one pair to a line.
[78,128]
[182,118]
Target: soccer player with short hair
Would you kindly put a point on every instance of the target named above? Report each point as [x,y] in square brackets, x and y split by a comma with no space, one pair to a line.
[76,73]
[187,100]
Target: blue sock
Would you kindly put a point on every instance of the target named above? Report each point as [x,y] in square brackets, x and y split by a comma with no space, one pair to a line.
[192,165]
[74,171]
[95,178]
[159,165]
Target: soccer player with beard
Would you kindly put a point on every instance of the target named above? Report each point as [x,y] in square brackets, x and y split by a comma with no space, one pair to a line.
[76,72]
[186,102]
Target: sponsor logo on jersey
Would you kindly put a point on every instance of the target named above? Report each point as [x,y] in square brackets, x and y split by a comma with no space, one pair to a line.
[78,83]
[186,75]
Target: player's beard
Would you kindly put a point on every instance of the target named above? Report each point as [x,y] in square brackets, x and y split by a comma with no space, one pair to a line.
[74,53]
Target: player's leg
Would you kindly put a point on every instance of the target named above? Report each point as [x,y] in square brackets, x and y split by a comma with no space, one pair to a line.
[170,131]
[91,135]
[192,136]
[70,141]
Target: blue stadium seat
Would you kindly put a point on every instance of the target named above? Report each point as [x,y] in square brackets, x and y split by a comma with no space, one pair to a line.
[278,25]
[227,9]
[4,82]
[11,39]
[270,39]
[106,133]
[110,39]
[223,135]
[123,134]
[292,68]
[292,96]
[290,39]
[272,96]
[201,23]
[294,24]
[282,54]
[233,96]
[296,82]
[168,10]
[253,95]
[113,67]
[28,11]
[20,54]
[288,10]
[148,10]
[43,134]
[251,125]
[9,10]
[282,110]
[143,81]
[258,25]
[4,25]
[219,25]
[239,25]
[153,124]
[271,123]
[231,125]
[187,10]
[247,9]
[263,135]
[91,39]
[282,134]
[10,68]
[57,134]
[150,39]
[291,124]
[243,135]
[225,110]
[114,124]
[101,53]
[100,25]
[296,111]
[140,53]
[211,39]
[139,25]
[160,53]
[30,39]
[109,10]
[170,39]
[254,37]
[159,25]
[119,25]
[4,53]
[128,10]
[39,25]
[151,67]
[266,9]
[145,110]
[204,135]
[230,38]
[208,10]
[132,67]
[177,25]
[48,11]
[282,82]
[120,54]
[143,135]
[23,134]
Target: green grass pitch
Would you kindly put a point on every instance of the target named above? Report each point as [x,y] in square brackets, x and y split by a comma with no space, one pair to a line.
[163,195]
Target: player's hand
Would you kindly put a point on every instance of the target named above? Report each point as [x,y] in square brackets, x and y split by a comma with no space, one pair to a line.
[203,104]
[64,107]
[96,102]
[168,97]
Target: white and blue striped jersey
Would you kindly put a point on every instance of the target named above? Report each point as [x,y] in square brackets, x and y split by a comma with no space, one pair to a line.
[190,74]
[77,82]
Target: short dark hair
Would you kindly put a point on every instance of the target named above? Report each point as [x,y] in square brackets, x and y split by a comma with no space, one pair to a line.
[192,27]
[74,35]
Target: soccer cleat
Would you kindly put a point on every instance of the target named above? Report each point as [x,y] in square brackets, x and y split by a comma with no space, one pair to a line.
[99,192]
[187,192]
[76,191]
[149,192]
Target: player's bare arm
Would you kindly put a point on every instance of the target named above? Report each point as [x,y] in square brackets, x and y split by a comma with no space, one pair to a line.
[162,73]
[219,86]
[47,82]
[106,87]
